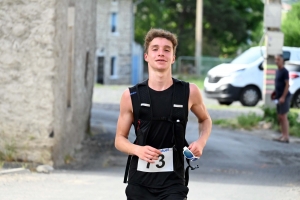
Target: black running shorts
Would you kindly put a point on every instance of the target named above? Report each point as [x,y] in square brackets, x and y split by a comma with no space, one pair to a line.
[173,192]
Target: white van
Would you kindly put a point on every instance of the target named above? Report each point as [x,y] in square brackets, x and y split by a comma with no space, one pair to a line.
[242,79]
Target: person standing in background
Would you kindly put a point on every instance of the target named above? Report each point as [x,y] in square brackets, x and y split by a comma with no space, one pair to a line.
[283,97]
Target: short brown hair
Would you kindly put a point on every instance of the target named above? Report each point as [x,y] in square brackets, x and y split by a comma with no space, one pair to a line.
[154,33]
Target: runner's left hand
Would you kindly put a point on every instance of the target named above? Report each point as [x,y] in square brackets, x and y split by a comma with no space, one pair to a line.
[196,148]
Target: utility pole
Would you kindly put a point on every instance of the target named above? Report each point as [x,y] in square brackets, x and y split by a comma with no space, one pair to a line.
[273,44]
[134,7]
[198,37]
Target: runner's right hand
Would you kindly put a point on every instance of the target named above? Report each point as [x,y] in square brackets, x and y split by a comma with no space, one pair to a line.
[147,153]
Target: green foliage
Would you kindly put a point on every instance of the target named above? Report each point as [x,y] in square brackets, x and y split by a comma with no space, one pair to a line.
[294,124]
[1,156]
[9,152]
[199,81]
[270,115]
[177,16]
[290,26]
[226,24]
[227,123]
[249,121]
[68,159]
[244,121]
[229,24]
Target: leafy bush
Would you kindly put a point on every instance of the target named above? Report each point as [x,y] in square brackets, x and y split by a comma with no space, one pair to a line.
[290,26]
[243,121]
[249,121]
[270,115]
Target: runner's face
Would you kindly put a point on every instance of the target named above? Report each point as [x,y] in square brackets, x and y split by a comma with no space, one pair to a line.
[160,54]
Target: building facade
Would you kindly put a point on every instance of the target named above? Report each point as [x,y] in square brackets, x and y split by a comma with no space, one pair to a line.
[116,49]
[47,62]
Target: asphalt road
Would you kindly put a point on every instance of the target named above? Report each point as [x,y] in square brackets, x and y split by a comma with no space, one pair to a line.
[236,165]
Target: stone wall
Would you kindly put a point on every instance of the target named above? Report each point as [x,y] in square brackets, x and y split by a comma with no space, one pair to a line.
[35,121]
[72,121]
[26,78]
[116,44]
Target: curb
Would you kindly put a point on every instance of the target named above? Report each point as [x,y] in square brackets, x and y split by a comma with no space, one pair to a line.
[14,171]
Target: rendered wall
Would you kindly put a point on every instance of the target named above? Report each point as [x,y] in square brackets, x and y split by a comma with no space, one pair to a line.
[36,124]
[26,79]
[72,122]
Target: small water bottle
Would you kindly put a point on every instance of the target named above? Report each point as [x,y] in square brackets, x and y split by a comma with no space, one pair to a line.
[275,101]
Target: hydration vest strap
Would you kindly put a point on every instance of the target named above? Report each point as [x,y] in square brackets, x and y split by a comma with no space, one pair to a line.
[186,174]
[178,112]
[127,169]
[144,100]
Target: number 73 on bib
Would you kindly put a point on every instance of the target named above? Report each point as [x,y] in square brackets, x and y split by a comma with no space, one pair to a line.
[163,164]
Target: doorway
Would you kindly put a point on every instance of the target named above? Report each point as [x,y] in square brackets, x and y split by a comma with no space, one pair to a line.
[100,70]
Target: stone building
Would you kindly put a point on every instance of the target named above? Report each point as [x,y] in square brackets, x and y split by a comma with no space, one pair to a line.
[119,59]
[47,62]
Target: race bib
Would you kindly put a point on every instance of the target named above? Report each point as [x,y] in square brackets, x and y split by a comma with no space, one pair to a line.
[163,164]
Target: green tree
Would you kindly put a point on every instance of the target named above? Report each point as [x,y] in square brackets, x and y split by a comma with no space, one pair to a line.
[291,26]
[177,16]
[229,24]
[226,24]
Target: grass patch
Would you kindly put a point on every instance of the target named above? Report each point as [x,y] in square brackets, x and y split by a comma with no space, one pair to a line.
[68,159]
[244,121]
[251,121]
[198,80]
[270,115]
[98,85]
[9,152]
[226,123]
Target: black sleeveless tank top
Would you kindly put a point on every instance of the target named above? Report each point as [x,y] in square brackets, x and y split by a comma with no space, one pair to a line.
[159,136]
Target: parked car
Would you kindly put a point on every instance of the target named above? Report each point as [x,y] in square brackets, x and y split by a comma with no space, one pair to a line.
[242,79]
[294,73]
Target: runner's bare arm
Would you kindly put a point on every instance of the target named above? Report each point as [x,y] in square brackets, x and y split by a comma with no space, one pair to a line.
[125,121]
[196,105]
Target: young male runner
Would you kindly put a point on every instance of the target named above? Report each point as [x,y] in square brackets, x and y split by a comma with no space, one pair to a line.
[157,168]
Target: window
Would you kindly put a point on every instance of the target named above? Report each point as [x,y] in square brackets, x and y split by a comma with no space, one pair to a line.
[249,56]
[113,66]
[113,22]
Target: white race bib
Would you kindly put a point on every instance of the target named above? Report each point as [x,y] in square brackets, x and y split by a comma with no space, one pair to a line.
[163,164]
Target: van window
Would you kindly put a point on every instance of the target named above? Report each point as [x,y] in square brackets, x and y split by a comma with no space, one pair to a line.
[248,56]
[295,56]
